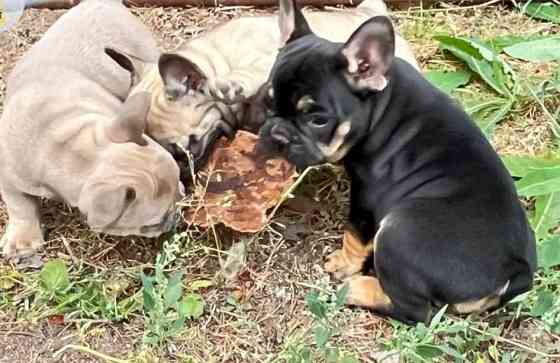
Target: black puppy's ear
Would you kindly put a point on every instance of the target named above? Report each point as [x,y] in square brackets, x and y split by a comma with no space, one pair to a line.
[132,64]
[291,21]
[179,75]
[370,52]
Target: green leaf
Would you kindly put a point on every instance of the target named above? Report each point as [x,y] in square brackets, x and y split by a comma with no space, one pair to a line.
[174,289]
[499,43]
[437,318]
[549,252]
[428,351]
[192,306]
[539,182]
[451,352]
[448,81]
[545,301]
[482,60]
[341,296]
[317,307]
[488,118]
[520,166]
[349,359]
[545,11]
[547,214]
[322,336]
[148,292]
[541,50]
[200,284]
[54,276]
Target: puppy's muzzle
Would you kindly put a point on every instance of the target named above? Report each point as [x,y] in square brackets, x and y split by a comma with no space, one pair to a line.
[169,221]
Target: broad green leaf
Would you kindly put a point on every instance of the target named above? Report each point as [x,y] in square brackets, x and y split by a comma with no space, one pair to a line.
[451,352]
[499,43]
[448,81]
[541,50]
[148,292]
[174,289]
[545,301]
[545,11]
[322,336]
[520,166]
[428,351]
[539,182]
[488,118]
[481,60]
[341,296]
[549,253]
[54,276]
[317,307]
[191,306]
[547,214]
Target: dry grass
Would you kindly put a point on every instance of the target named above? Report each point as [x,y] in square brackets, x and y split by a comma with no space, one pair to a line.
[279,272]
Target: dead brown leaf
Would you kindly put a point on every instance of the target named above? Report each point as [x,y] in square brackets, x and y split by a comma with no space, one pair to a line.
[242,186]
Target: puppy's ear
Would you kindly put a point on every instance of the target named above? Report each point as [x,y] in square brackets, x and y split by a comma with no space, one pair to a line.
[132,64]
[179,75]
[291,21]
[369,54]
[130,124]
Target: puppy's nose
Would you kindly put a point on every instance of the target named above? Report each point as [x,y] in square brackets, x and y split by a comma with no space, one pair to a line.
[280,135]
[170,220]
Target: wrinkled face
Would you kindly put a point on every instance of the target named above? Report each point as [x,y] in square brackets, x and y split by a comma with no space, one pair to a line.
[322,99]
[133,192]
[316,116]
[202,121]
[188,112]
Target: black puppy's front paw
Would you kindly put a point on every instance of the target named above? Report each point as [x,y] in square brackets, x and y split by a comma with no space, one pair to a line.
[341,265]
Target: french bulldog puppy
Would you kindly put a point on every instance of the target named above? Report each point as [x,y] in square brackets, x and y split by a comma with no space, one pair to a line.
[203,90]
[434,217]
[67,134]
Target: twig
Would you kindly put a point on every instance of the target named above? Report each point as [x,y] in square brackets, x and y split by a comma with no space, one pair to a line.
[555,128]
[455,8]
[514,343]
[87,350]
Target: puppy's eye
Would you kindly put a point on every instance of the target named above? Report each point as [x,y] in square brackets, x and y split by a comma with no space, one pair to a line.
[318,122]
[130,195]
[305,104]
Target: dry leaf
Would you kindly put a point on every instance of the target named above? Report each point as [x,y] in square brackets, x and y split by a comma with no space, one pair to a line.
[241,187]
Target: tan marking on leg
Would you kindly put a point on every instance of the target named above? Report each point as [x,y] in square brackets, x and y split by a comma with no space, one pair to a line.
[366,291]
[477,305]
[482,304]
[350,259]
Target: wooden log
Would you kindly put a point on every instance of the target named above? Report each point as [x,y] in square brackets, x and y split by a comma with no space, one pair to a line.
[398,4]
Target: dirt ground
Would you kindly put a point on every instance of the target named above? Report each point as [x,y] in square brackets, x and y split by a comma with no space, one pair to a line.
[282,267]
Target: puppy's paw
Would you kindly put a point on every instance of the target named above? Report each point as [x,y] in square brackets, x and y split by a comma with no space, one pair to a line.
[341,266]
[21,239]
[227,91]
[17,248]
[366,291]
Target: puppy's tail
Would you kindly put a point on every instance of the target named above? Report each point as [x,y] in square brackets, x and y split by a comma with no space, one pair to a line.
[373,7]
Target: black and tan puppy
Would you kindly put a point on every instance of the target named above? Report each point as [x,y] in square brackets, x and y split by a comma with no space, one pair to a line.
[434,216]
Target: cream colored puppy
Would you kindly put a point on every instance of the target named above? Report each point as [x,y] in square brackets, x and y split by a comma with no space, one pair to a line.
[67,134]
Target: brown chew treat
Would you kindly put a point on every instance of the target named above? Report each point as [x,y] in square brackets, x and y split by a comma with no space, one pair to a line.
[242,186]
